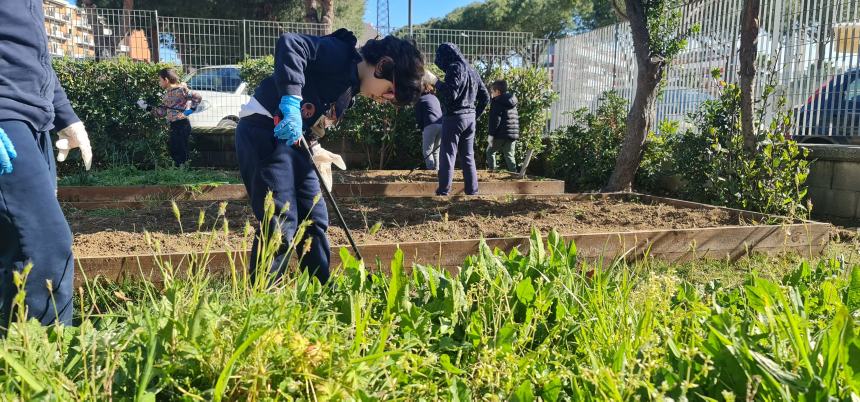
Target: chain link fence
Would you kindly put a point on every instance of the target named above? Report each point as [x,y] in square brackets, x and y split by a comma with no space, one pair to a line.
[809,50]
[207,51]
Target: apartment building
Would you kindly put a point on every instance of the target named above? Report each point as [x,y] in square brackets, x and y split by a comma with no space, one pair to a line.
[69,32]
[93,33]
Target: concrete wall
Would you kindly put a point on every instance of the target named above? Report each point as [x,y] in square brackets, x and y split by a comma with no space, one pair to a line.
[834,181]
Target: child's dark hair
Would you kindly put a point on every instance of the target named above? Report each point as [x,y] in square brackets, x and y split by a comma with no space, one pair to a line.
[500,85]
[169,74]
[402,64]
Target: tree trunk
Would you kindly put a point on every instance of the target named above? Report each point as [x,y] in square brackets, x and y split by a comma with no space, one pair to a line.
[328,15]
[128,4]
[311,15]
[640,118]
[748,53]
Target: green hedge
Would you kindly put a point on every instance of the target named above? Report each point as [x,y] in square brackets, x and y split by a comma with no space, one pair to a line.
[103,95]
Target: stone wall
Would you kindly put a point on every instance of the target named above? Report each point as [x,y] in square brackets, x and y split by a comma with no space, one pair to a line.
[834,181]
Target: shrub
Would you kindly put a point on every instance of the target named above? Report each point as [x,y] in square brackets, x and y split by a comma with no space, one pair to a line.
[717,170]
[103,95]
[254,71]
[583,154]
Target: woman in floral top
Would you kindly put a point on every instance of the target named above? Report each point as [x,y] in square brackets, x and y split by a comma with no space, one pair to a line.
[175,108]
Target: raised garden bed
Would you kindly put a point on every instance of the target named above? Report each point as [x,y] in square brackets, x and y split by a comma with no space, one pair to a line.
[348,183]
[444,231]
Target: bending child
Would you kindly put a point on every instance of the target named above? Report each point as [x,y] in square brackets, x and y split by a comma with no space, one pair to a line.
[313,75]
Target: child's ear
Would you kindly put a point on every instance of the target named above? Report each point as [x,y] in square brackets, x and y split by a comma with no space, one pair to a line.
[384,68]
[308,110]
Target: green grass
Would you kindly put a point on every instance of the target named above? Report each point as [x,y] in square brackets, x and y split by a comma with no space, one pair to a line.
[547,325]
[131,176]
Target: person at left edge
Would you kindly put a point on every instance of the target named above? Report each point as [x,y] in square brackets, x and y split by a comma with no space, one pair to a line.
[319,71]
[33,229]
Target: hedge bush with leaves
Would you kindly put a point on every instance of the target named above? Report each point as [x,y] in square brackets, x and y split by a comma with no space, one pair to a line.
[584,153]
[103,94]
[254,71]
[716,168]
[533,89]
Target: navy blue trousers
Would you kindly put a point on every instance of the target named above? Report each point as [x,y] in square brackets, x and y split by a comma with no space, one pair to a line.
[287,171]
[34,231]
[458,140]
[180,132]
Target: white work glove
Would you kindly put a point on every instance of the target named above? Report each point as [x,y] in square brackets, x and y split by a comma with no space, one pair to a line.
[324,159]
[429,78]
[490,140]
[142,104]
[71,137]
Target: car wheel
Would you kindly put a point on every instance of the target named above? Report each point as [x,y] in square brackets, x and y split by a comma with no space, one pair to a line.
[227,123]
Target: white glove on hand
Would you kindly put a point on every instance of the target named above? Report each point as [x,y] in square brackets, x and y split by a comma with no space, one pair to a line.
[324,159]
[71,137]
[142,104]
[429,78]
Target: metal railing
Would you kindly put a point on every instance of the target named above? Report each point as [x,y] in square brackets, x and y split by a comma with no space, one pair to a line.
[810,51]
[207,50]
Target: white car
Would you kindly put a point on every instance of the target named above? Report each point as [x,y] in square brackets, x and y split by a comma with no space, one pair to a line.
[225,92]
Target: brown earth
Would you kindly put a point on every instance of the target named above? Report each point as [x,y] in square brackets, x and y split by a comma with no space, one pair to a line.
[103,232]
[403,176]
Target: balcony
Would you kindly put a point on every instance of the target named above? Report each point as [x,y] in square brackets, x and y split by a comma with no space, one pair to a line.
[84,41]
[58,35]
[82,23]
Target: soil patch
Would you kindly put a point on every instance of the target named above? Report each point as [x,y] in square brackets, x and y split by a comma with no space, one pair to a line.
[107,232]
[403,176]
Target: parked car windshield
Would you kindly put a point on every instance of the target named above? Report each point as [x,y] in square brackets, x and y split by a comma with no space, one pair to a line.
[224,79]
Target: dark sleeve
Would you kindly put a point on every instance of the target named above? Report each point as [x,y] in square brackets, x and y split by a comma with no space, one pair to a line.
[483,96]
[64,115]
[449,89]
[419,114]
[494,121]
[292,53]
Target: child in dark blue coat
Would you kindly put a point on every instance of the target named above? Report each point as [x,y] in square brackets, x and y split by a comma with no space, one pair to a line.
[313,76]
[463,97]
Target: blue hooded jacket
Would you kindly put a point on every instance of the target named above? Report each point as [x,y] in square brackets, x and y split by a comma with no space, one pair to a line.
[29,89]
[462,86]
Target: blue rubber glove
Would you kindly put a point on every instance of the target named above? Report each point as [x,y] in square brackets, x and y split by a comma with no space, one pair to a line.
[7,153]
[188,112]
[290,127]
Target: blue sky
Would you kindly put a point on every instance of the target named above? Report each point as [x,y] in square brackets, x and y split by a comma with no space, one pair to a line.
[422,10]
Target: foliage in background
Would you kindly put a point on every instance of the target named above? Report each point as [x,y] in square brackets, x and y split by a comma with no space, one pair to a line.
[103,94]
[255,70]
[533,89]
[389,135]
[716,168]
[584,153]
[543,18]
[509,327]
[131,176]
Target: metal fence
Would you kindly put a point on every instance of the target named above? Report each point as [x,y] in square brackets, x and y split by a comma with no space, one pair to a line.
[808,49]
[207,50]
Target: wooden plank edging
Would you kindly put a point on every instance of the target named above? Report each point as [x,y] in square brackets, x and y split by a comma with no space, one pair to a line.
[672,245]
